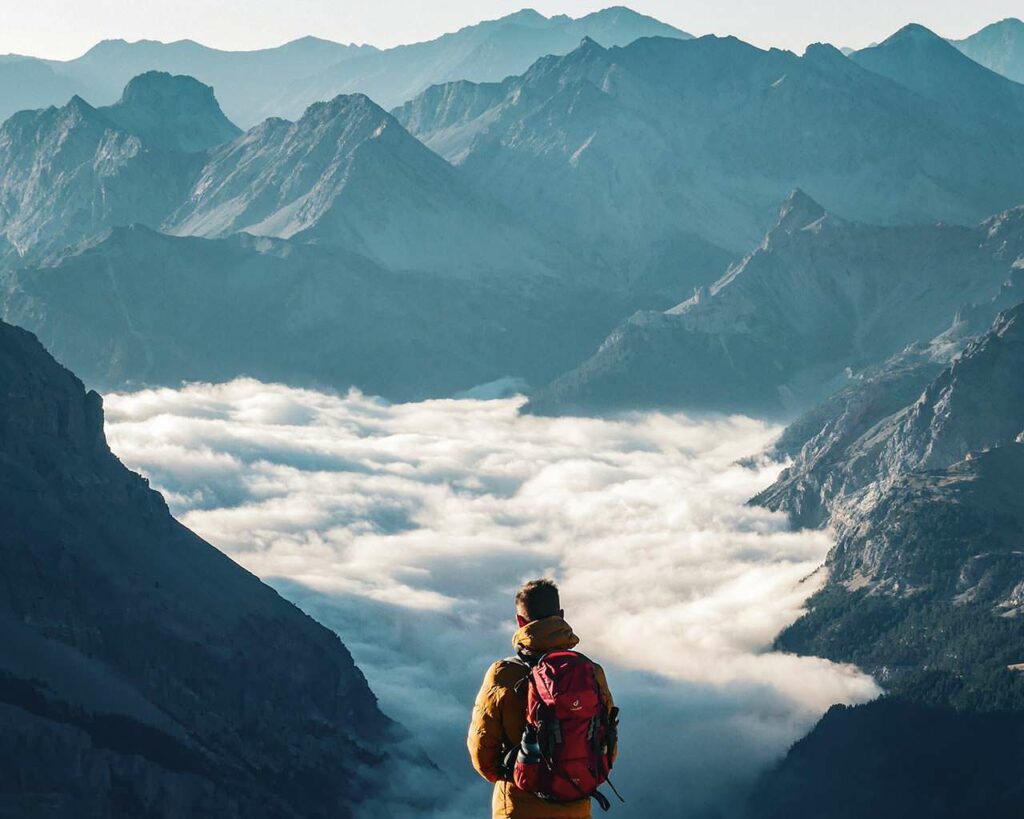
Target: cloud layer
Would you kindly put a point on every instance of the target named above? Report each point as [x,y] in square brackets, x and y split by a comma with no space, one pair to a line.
[408,527]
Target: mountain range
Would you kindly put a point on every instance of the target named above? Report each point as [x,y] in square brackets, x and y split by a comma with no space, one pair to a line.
[284,81]
[591,205]
[143,673]
[69,173]
[665,158]
[819,299]
[569,186]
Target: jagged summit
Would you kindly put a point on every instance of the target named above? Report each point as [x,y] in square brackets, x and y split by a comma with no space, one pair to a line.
[799,211]
[152,88]
[175,112]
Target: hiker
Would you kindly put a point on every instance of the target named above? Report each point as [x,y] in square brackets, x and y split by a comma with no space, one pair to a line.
[544,728]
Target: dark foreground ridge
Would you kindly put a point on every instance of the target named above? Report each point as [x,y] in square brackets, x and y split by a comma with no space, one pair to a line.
[143,673]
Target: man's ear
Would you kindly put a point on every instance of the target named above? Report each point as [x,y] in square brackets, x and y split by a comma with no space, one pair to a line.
[521,620]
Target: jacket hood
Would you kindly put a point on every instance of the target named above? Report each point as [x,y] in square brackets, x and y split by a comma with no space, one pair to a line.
[542,636]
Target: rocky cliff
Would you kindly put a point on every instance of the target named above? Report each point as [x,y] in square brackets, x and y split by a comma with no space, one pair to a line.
[143,673]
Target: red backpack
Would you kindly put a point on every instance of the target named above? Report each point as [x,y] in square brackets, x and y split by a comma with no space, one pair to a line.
[569,739]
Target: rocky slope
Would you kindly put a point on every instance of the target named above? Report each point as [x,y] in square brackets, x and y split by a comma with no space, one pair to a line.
[924,590]
[819,299]
[999,46]
[655,154]
[347,173]
[67,173]
[925,575]
[897,422]
[144,673]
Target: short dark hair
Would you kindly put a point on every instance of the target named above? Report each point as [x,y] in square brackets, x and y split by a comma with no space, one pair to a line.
[538,599]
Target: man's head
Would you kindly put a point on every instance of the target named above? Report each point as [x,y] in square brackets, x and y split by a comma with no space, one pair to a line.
[536,600]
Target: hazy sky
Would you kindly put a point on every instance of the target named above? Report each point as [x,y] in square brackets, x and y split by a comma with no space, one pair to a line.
[66,28]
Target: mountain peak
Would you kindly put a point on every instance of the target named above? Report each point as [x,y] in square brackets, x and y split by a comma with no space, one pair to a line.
[798,212]
[588,44]
[153,87]
[916,33]
[343,105]
[526,15]
[823,52]
[175,112]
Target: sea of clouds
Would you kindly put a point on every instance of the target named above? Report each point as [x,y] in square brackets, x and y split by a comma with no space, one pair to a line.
[407,529]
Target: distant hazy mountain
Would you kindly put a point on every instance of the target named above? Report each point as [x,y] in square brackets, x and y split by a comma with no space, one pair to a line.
[142,672]
[243,80]
[347,173]
[487,51]
[26,83]
[819,296]
[922,61]
[999,46]
[141,307]
[66,173]
[651,154]
[284,81]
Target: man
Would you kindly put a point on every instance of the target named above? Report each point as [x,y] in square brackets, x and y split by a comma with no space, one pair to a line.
[499,715]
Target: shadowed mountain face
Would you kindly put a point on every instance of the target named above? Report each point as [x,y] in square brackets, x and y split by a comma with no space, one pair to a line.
[999,46]
[649,153]
[171,113]
[141,307]
[144,673]
[781,327]
[922,61]
[284,81]
[67,173]
[892,759]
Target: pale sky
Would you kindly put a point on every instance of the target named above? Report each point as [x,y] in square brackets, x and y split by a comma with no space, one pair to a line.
[63,29]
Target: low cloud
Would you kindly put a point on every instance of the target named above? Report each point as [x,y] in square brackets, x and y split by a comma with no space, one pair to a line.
[407,528]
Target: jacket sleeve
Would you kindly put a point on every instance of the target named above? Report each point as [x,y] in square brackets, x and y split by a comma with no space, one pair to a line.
[485,731]
[606,694]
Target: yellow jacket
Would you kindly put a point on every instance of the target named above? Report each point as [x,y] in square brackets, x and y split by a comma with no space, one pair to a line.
[499,717]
